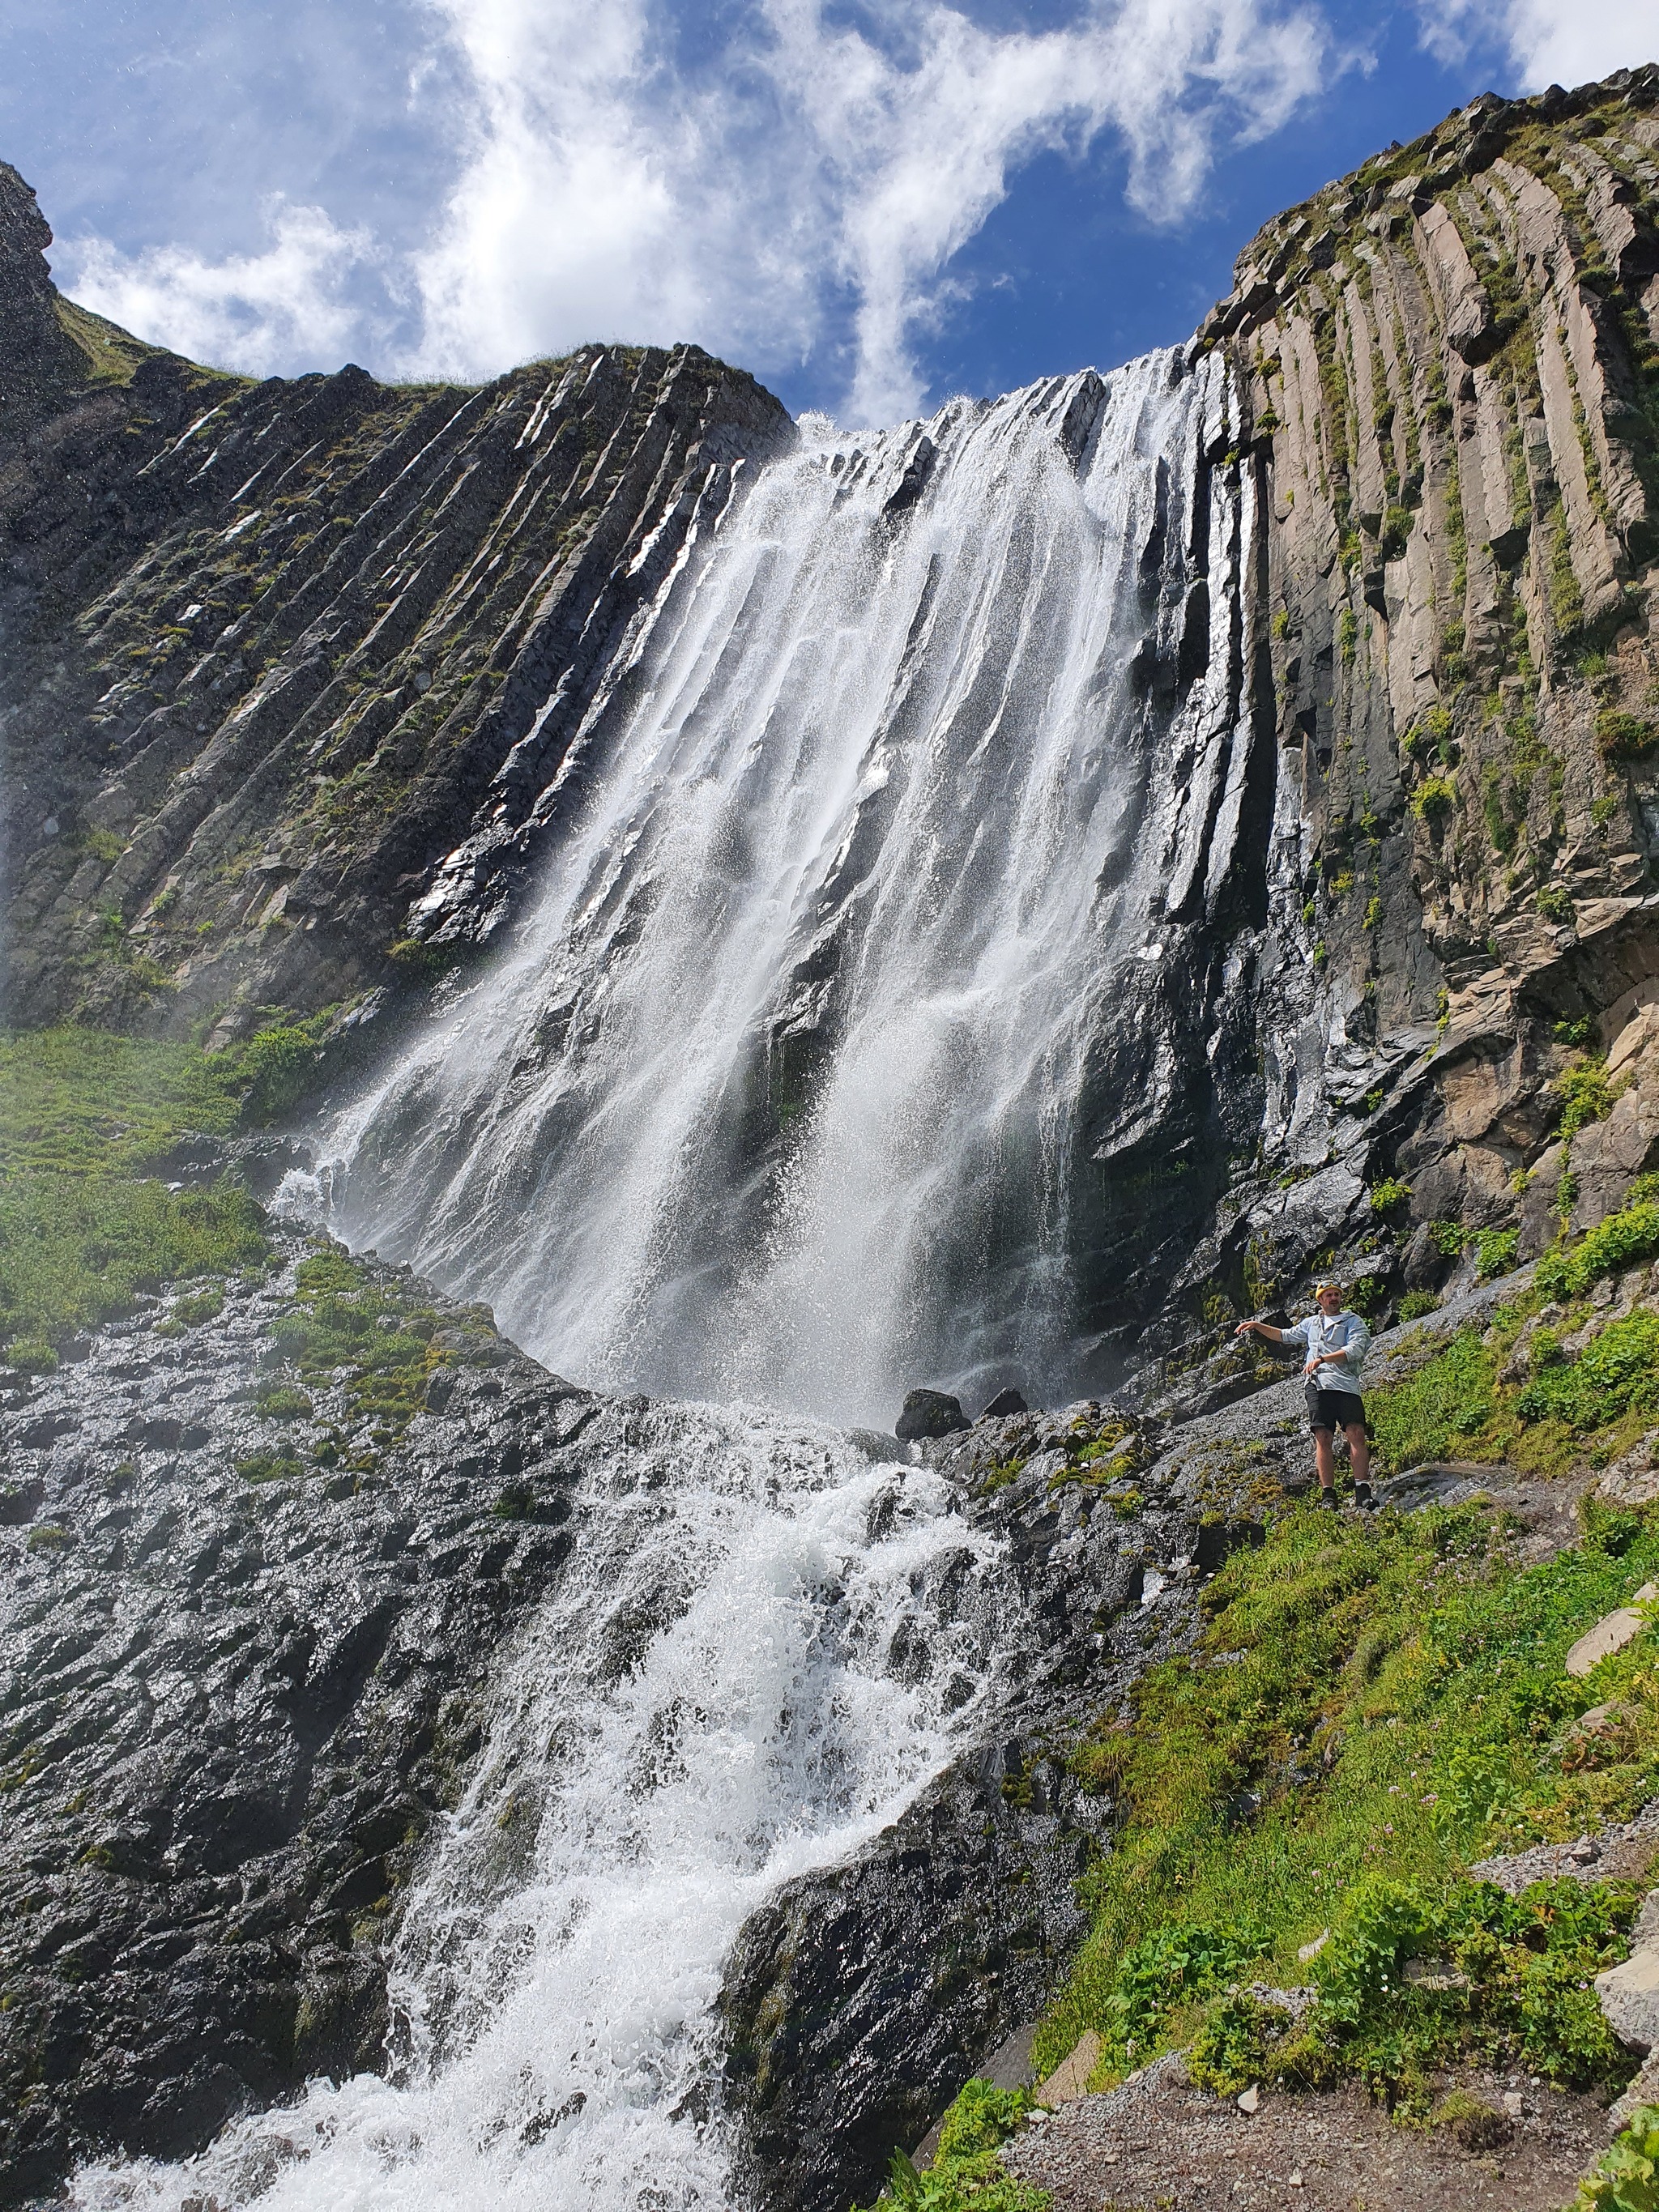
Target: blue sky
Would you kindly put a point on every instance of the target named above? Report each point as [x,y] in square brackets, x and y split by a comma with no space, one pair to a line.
[872,205]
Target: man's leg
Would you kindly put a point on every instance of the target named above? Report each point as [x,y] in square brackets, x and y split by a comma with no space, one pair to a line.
[1359,1452]
[1324,1458]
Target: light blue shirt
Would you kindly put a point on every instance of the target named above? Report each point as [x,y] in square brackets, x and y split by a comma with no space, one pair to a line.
[1344,1333]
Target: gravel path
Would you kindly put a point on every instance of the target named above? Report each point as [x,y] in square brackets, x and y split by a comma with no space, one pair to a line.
[1156,2144]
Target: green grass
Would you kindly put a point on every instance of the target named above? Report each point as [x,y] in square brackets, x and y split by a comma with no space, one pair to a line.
[75,1249]
[966,2174]
[84,1115]
[1391,1705]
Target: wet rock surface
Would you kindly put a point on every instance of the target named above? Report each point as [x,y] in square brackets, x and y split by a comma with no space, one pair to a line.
[236,1688]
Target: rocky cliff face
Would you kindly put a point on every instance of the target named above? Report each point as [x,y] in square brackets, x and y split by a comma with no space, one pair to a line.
[1451,359]
[286,666]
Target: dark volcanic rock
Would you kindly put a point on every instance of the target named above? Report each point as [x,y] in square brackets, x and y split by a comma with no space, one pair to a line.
[231,1703]
[291,668]
[928,1413]
[1004,1402]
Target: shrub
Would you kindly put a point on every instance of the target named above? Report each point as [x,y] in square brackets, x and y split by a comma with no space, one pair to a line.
[1389,1193]
[1586,1096]
[1625,2178]
[1555,905]
[1416,1303]
[966,2175]
[1434,799]
[1617,1372]
[1497,1249]
[1619,1241]
[1448,1237]
[1625,737]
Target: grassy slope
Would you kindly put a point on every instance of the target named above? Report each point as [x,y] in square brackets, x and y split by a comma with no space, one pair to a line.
[83,1228]
[1375,1706]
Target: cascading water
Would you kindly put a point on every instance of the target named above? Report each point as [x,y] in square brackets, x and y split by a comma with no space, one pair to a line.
[779,1090]
[763,1647]
[780,1093]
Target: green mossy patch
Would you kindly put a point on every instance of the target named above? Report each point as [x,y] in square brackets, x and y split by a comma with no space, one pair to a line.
[84,1228]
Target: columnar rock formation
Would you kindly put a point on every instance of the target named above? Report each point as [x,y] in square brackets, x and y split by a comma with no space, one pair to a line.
[1452,360]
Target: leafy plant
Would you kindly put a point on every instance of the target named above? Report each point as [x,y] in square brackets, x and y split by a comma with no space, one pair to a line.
[1625,2178]
[1497,1249]
[1434,799]
[966,2174]
[1586,1096]
[1389,1193]
[1625,737]
[1623,1238]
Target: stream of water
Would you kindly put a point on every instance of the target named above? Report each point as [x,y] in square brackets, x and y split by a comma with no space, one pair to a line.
[763,1647]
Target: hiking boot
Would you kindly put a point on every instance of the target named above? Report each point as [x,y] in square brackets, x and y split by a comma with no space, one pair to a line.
[1364,1496]
[1327,1496]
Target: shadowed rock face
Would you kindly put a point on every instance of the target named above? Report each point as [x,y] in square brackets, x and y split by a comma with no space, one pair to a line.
[280,657]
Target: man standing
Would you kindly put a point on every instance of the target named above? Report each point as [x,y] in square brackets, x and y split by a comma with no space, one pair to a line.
[1336,1341]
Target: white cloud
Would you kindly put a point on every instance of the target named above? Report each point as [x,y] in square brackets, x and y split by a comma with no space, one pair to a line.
[603,191]
[799,187]
[915,156]
[259,312]
[1567,42]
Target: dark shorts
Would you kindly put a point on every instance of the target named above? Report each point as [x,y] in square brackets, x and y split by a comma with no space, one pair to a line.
[1335,1409]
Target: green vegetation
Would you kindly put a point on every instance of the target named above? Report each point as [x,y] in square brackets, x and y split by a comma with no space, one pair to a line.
[1620,1240]
[1434,798]
[75,1251]
[384,1338]
[1389,1193]
[1374,1705]
[85,1118]
[966,2175]
[1625,737]
[1587,1096]
[1625,2178]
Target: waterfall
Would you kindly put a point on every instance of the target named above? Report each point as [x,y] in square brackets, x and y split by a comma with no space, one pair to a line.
[785,1091]
[763,1647]
[781,1090]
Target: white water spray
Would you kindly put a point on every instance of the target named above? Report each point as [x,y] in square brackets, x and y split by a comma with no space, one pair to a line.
[761,1648]
[778,1092]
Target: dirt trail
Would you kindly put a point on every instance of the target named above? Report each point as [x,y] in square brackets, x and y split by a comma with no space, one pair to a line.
[1156,2144]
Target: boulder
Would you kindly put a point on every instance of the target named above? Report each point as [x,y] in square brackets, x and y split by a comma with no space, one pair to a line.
[929,1413]
[1612,1634]
[1004,1403]
[1629,1996]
